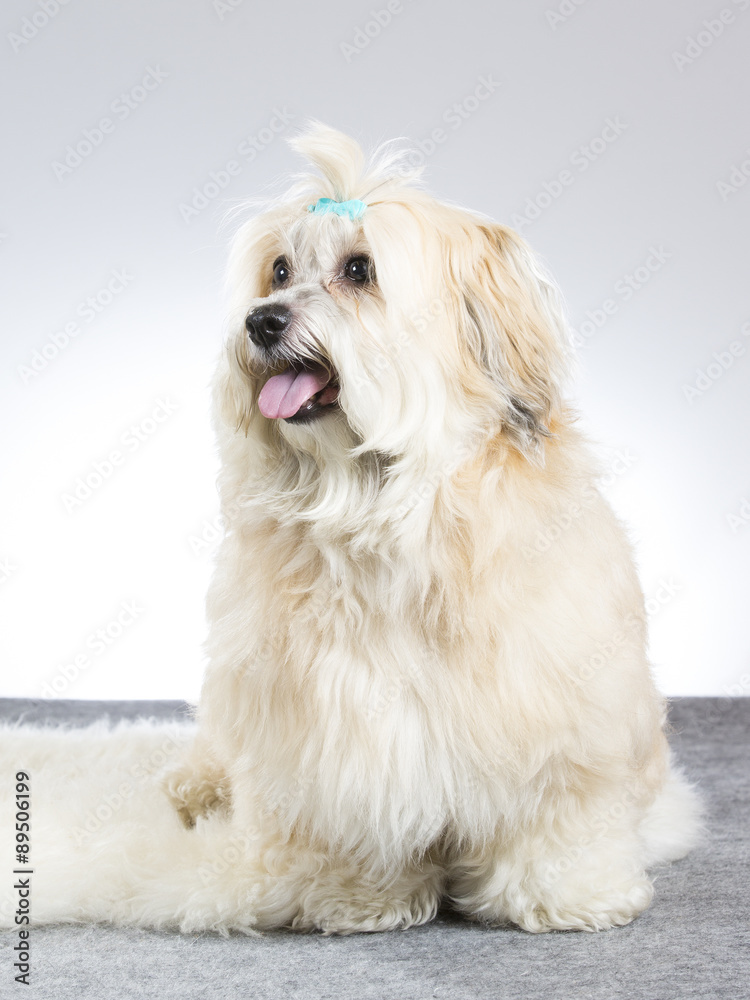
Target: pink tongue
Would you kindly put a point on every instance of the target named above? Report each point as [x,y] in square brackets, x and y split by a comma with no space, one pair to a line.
[284,394]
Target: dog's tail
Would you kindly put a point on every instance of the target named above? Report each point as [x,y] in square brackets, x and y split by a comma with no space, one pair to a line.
[673,824]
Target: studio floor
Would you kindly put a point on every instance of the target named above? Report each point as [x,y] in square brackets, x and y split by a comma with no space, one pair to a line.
[692,941]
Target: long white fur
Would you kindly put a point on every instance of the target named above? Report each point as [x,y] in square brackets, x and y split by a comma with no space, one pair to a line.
[428,673]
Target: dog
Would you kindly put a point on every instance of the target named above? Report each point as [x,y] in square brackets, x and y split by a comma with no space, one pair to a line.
[427,678]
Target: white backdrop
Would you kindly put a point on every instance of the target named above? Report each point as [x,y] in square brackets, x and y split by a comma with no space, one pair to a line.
[614,136]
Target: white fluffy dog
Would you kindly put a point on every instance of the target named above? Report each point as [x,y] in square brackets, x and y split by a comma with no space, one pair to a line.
[428,674]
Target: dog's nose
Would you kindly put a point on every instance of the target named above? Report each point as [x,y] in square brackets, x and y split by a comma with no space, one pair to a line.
[266,324]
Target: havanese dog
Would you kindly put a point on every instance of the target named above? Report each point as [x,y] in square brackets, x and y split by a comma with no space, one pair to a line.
[428,676]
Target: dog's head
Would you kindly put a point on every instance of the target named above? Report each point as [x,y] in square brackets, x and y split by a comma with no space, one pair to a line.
[368,317]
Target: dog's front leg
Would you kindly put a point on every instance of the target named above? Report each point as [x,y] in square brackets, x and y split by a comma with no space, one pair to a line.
[309,889]
[578,865]
[197,785]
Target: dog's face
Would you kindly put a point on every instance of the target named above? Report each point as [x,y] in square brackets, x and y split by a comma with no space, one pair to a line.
[314,314]
[415,324]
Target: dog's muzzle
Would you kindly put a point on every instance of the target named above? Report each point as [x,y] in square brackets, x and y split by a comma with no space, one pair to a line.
[304,390]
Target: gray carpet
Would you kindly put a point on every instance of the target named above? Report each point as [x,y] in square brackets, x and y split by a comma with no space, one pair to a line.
[692,942]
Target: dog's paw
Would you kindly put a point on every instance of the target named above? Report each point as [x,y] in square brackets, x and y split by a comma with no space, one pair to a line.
[196,794]
[596,911]
[361,911]
[586,909]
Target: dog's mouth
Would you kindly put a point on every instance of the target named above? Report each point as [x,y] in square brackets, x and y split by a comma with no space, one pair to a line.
[300,393]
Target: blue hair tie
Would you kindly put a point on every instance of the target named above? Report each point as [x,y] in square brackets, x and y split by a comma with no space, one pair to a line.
[349,209]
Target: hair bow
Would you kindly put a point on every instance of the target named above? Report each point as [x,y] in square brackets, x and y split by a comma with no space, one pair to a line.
[349,209]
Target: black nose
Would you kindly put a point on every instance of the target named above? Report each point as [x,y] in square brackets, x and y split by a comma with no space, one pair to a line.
[266,324]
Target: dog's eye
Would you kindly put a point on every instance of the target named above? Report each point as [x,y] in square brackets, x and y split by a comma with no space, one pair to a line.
[358,269]
[280,272]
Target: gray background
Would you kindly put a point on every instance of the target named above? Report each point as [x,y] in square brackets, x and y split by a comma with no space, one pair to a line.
[230,73]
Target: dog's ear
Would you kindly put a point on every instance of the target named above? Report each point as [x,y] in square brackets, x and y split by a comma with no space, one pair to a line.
[514,326]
